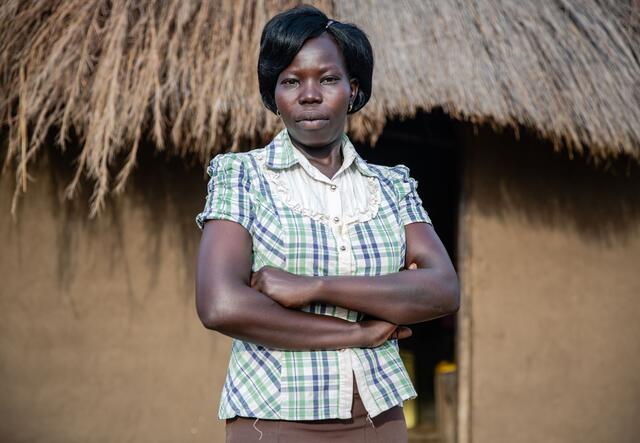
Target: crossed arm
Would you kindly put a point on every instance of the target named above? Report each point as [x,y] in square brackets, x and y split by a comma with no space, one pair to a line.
[258,307]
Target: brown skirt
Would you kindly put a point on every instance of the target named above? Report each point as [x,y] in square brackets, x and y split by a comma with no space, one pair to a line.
[388,427]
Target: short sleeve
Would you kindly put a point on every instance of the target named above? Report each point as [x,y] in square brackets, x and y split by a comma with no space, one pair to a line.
[228,192]
[410,204]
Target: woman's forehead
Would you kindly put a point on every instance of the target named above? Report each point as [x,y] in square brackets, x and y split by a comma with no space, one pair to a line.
[313,67]
[319,53]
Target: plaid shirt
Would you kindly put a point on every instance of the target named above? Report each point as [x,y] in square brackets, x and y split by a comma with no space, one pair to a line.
[312,385]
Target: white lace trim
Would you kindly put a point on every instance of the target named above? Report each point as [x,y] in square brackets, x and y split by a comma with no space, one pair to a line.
[287,197]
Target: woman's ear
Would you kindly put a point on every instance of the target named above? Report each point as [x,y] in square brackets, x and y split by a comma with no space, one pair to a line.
[353,83]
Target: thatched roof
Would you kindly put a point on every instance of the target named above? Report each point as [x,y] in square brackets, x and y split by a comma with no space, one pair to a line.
[182,74]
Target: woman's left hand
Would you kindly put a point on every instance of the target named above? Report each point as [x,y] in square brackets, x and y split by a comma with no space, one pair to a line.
[287,289]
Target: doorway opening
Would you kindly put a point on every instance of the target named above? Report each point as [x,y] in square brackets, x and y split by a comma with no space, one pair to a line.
[427,145]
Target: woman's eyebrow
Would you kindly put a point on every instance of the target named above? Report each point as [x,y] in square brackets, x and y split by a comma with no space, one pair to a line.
[328,67]
[316,68]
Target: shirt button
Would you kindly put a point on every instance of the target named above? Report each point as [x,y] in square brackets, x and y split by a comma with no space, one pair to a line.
[336,219]
[343,248]
[333,187]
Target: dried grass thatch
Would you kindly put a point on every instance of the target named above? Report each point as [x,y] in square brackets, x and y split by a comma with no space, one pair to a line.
[182,74]
[570,70]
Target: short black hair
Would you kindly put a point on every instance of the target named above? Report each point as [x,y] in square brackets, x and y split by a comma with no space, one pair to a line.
[284,35]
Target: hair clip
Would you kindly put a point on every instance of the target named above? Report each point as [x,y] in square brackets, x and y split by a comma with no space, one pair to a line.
[329,24]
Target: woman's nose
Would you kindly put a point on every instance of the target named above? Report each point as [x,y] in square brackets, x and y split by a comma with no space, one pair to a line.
[310,93]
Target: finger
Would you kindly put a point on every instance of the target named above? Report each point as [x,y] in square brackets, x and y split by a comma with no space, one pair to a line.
[403,332]
[254,279]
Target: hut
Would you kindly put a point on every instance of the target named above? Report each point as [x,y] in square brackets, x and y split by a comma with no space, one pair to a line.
[520,120]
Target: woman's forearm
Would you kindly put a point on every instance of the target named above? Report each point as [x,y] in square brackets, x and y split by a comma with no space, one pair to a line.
[244,313]
[404,297]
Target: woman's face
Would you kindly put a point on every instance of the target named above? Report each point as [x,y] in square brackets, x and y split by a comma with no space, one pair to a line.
[313,93]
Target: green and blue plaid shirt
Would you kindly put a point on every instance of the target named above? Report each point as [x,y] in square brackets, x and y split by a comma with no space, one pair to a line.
[312,385]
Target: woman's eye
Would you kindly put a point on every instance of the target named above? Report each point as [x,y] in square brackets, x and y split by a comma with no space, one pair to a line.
[330,79]
[289,81]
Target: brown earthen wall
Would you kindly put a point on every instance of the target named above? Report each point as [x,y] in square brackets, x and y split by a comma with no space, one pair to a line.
[99,338]
[551,273]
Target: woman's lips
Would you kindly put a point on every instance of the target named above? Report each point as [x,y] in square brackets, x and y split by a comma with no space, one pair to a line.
[313,123]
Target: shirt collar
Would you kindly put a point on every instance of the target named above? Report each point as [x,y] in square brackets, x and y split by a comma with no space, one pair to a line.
[281,154]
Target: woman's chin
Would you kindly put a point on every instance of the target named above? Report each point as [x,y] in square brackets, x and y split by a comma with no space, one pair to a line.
[312,137]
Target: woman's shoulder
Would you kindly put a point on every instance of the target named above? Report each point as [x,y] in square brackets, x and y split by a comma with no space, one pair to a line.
[405,188]
[231,188]
[397,177]
[239,165]
[395,173]
[234,158]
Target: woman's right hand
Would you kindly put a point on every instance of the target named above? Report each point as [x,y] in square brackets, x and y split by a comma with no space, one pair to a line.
[376,332]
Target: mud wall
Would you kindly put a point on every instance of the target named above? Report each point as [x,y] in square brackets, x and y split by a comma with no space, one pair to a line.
[551,276]
[99,338]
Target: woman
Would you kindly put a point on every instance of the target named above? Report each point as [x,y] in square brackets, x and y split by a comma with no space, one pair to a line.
[302,239]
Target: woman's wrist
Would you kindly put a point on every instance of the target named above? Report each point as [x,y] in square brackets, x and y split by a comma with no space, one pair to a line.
[360,337]
[317,289]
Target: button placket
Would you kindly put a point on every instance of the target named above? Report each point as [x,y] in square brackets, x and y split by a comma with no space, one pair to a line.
[338,229]
[346,259]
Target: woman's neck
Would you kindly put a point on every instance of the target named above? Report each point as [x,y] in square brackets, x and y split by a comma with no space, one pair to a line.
[326,158]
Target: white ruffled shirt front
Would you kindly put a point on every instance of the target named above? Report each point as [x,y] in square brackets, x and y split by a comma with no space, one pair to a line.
[347,197]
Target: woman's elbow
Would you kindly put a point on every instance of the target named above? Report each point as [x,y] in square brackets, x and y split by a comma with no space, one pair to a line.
[451,303]
[209,317]
[212,312]
[447,300]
